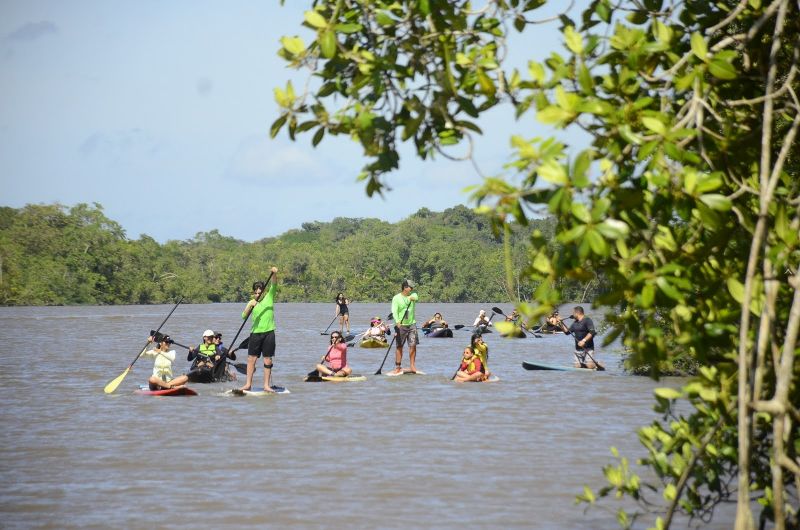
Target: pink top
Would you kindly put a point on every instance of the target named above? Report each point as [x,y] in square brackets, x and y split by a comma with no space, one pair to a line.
[337,356]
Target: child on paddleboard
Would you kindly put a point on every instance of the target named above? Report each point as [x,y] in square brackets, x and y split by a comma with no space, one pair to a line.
[471,368]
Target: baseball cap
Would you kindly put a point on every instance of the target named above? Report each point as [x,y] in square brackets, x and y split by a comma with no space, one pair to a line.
[208,333]
[408,283]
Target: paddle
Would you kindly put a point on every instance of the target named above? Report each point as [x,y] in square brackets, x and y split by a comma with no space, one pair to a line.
[313,375]
[329,325]
[522,327]
[351,344]
[390,317]
[114,383]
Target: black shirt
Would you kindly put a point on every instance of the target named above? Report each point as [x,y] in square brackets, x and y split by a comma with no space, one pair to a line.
[579,329]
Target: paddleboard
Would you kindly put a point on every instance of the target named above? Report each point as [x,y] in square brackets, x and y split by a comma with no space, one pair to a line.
[181,391]
[393,374]
[543,366]
[258,393]
[349,378]
[492,379]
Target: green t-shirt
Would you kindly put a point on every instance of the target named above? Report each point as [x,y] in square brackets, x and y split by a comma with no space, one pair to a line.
[399,305]
[264,312]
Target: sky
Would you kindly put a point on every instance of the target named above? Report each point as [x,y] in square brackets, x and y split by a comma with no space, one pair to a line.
[160,112]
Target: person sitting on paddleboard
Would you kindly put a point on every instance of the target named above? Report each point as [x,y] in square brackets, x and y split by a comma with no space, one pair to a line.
[343,312]
[162,366]
[471,368]
[335,362]
[582,330]
[436,322]
[481,351]
[403,310]
[205,356]
[482,320]
[377,329]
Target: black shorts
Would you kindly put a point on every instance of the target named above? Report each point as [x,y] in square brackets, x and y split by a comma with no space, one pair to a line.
[262,343]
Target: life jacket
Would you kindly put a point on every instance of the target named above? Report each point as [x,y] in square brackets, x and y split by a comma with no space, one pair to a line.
[471,366]
[207,350]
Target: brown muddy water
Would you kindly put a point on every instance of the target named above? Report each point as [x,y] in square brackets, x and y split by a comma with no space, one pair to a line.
[403,452]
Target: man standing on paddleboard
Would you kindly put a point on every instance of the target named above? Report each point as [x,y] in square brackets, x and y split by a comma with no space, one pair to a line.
[403,308]
[262,333]
[582,330]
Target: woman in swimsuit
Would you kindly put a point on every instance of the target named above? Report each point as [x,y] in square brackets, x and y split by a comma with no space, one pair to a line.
[343,312]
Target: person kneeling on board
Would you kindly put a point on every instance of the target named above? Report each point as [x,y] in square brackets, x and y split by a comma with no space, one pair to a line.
[162,366]
[335,362]
[471,368]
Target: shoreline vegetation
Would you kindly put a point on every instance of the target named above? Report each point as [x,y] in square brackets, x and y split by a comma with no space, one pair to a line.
[52,254]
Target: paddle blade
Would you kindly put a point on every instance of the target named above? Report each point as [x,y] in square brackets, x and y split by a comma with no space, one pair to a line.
[348,338]
[498,311]
[240,367]
[459,326]
[114,383]
[243,344]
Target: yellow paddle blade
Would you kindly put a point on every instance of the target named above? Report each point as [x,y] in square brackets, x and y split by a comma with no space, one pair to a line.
[110,387]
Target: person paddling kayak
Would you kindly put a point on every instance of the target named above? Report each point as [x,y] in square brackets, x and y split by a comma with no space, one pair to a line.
[403,309]
[262,332]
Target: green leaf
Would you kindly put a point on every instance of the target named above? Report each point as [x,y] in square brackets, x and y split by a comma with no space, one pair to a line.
[384,19]
[648,295]
[699,46]
[553,172]
[581,212]
[670,492]
[554,115]
[276,126]
[736,288]
[327,43]
[722,69]
[667,393]
[348,28]
[574,40]
[669,289]
[716,201]
[655,125]
[293,45]
[596,242]
[613,229]
[315,20]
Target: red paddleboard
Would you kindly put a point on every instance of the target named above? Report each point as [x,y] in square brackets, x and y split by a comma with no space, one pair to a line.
[180,391]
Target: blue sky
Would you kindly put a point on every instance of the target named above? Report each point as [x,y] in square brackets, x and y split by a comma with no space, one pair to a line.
[160,111]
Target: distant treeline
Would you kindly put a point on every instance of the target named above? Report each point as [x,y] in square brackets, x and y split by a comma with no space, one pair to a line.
[58,255]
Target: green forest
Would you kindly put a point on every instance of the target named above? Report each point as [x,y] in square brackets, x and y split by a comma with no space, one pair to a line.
[58,255]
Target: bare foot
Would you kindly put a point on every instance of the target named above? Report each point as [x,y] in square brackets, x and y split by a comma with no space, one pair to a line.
[243,388]
[397,370]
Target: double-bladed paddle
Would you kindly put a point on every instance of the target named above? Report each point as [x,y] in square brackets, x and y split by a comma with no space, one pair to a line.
[114,383]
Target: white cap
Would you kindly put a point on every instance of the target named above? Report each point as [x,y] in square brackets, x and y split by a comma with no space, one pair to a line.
[208,333]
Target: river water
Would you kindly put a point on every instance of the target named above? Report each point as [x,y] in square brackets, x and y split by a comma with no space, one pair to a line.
[403,452]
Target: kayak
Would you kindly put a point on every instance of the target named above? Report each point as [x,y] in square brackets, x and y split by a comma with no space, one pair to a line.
[178,391]
[543,366]
[373,342]
[258,393]
[439,333]
[392,374]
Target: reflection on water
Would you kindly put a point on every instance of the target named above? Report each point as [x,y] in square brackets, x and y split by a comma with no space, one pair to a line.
[400,452]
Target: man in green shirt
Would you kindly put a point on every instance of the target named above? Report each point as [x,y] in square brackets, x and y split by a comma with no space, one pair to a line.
[262,332]
[403,308]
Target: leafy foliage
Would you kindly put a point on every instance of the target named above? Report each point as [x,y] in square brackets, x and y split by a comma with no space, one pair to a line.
[686,204]
[51,254]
